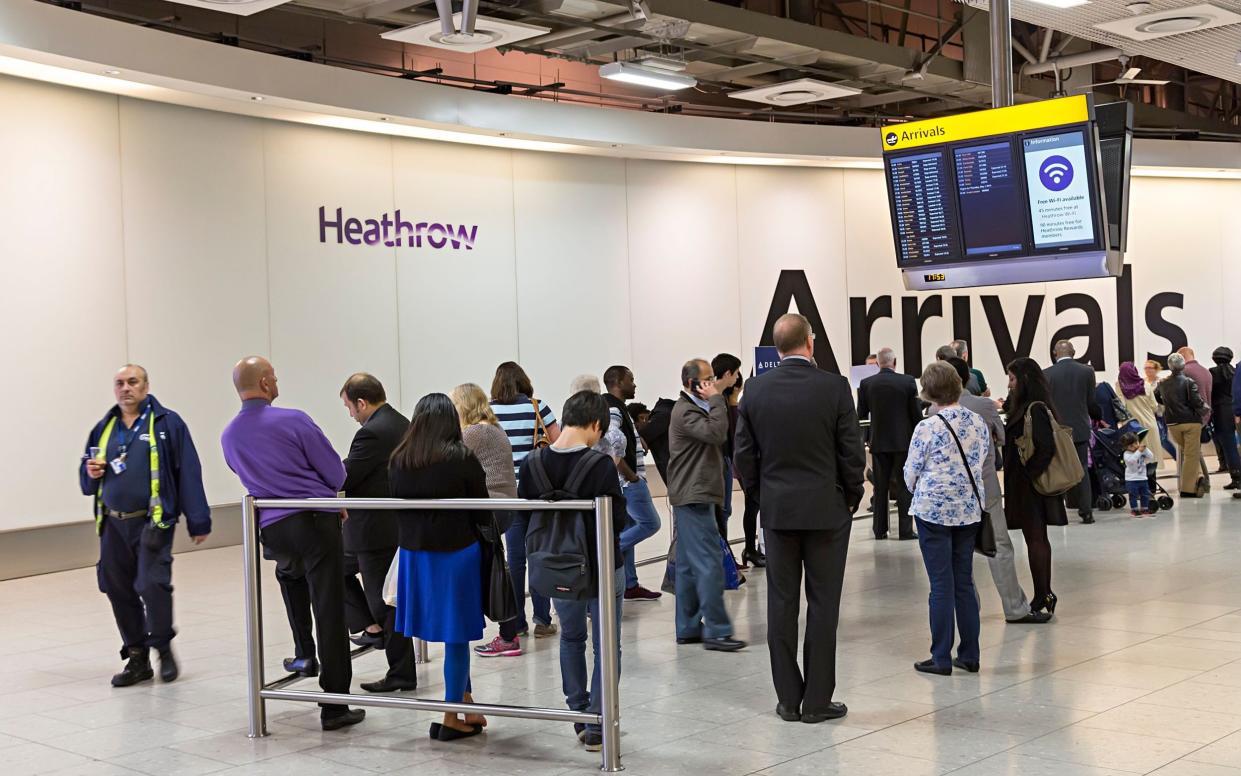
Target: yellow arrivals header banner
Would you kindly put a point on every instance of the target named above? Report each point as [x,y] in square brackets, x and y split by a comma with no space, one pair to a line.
[985,123]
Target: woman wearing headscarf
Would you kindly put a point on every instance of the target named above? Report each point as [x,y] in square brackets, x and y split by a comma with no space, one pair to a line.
[1222,412]
[1139,402]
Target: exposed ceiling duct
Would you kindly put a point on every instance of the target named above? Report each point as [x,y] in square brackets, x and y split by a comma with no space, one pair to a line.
[1092,57]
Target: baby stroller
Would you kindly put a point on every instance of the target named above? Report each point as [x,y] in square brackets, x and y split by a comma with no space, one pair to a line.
[1108,469]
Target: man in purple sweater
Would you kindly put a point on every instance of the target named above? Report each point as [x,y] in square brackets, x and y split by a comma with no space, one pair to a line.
[281,453]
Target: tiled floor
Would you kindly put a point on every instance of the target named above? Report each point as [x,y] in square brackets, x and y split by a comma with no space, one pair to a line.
[1140,673]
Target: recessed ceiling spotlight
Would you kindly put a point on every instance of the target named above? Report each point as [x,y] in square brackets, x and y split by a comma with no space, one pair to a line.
[798,92]
[258,98]
[1139,7]
[655,77]
[112,72]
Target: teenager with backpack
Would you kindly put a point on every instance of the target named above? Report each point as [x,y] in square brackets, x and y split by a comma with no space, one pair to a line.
[562,546]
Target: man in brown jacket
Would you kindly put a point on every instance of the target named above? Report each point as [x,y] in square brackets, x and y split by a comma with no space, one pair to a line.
[696,436]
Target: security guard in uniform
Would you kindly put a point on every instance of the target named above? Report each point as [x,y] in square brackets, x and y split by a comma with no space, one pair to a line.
[143,472]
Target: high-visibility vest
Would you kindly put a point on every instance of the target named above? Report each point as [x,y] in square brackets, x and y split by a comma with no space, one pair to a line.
[156,506]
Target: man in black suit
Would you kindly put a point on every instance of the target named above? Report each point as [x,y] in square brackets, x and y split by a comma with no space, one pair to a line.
[1072,390]
[370,536]
[798,439]
[890,400]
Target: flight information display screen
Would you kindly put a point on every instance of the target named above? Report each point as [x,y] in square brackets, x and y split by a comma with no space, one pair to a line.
[992,188]
[922,207]
[989,190]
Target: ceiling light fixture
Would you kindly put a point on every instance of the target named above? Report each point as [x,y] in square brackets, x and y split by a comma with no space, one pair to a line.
[639,75]
[1177,21]
[489,32]
[1062,3]
[239,7]
[257,98]
[112,72]
[798,92]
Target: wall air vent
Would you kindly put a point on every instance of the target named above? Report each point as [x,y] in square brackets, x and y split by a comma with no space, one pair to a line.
[488,33]
[1176,21]
[239,7]
[797,92]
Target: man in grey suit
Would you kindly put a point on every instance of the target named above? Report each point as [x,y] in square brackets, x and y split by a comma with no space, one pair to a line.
[799,441]
[1072,390]
[1003,569]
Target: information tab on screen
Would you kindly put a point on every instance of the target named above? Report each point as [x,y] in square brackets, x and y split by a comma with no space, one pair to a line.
[989,190]
[1058,180]
[923,207]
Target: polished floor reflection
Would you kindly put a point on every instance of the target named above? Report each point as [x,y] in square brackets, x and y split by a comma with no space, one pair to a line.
[1140,673]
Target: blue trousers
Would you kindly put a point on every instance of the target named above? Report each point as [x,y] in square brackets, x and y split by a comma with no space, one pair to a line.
[699,574]
[515,544]
[644,523]
[1227,436]
[948,552]
[573,614]
[1139,494]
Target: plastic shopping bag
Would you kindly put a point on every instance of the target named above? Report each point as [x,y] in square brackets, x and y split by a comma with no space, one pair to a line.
[389,589]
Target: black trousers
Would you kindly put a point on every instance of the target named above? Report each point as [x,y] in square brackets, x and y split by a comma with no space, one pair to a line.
[135,572]
[822,555]
[364,605]
[890,479]
[310,568]
[1081,498]
[750,520]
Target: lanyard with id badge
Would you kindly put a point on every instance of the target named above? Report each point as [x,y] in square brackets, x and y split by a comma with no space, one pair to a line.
[125,439]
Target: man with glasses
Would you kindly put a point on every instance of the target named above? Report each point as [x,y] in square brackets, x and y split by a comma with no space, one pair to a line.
[696,437]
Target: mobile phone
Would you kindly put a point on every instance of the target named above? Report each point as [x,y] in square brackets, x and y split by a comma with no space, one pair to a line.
[95,454]
[695,385]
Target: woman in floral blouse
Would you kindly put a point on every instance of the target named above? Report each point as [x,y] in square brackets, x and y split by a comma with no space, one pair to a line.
[947,507]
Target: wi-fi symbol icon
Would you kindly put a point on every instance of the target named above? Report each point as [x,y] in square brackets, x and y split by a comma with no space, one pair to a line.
[1056,173]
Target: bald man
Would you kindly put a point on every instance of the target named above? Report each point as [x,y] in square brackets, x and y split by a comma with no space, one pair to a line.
[281,453]
[142,471]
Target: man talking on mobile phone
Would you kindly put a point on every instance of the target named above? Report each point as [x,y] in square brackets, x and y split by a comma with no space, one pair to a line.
[696,437]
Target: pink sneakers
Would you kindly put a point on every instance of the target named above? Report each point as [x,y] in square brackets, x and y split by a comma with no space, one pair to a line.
[498,647]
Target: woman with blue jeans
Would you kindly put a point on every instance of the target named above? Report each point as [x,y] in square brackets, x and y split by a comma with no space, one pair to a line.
[944,473]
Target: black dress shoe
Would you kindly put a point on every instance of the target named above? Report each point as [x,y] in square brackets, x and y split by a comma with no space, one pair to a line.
[138,669]
[689,640]
[724,644]
[1087,519]
[1190,495]
[964,666]
[833,711]
[787,714]
[306,666]
[168,668]
[880,537]
[929,667]
[368,639]
[907,537]
[1032,618]
[350,717]
[388,684]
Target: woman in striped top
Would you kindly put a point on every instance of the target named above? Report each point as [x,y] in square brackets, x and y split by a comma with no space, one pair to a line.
[515,410]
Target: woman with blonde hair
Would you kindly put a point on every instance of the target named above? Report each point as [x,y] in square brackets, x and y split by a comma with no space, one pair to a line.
[1139,402]
[481,432]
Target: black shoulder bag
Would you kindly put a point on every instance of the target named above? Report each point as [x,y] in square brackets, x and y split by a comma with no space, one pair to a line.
[984,540]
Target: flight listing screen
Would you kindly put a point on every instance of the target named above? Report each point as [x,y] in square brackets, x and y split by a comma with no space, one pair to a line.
[990,196]
[922,208]
[1062,211]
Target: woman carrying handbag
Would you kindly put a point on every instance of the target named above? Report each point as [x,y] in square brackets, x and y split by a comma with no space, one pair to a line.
[943,471]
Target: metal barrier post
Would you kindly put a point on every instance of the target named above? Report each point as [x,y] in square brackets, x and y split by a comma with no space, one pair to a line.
[421,655]
[609,638]
[254,619]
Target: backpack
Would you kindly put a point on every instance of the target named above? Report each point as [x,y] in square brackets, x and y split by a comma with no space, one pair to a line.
[559,553]
[1065,470]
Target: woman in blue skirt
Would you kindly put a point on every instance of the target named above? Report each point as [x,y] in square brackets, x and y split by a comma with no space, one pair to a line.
[439,584]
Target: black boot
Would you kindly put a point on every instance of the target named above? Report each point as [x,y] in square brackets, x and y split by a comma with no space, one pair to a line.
[1236,482]
[168,668]
[138,669]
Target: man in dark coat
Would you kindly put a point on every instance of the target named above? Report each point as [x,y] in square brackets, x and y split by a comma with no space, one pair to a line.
[799,440]
[890,401]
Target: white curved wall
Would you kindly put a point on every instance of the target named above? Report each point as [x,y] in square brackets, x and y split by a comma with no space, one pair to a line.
[184,239]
